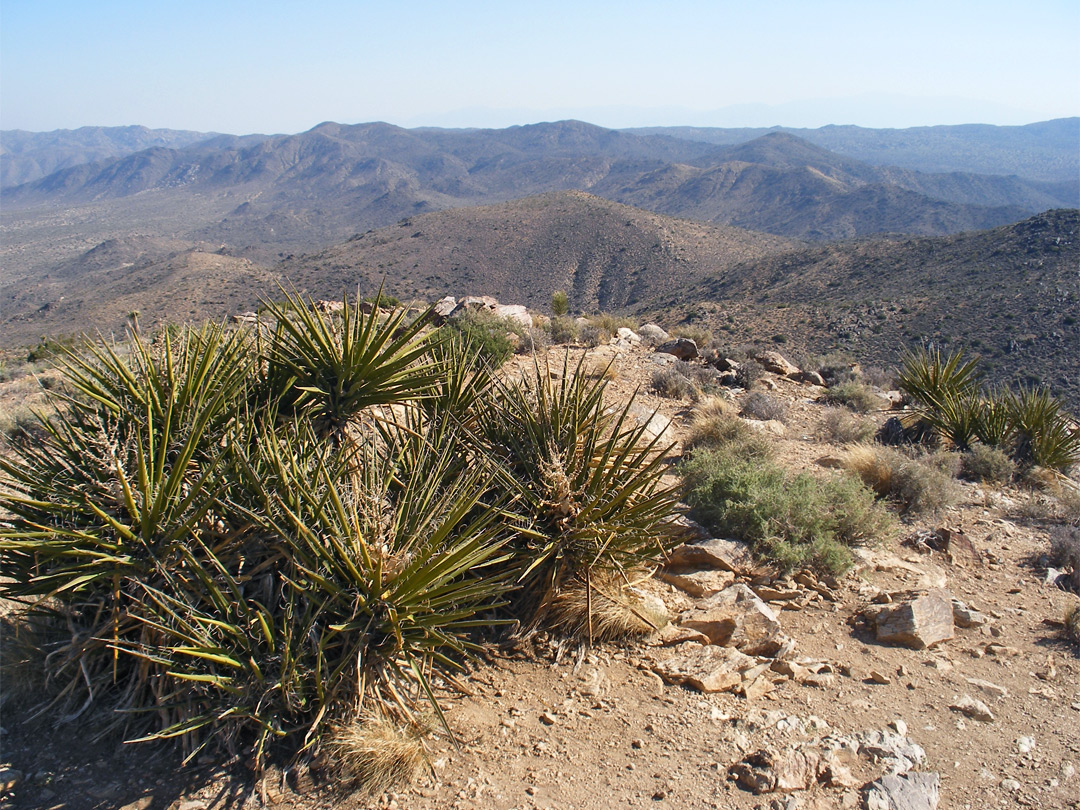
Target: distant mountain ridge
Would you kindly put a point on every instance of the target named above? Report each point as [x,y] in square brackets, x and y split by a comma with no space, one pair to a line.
[311,189]
[1046,151]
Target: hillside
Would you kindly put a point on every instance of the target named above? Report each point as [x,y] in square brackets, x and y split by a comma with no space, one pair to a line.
[1009,294]
[28,156]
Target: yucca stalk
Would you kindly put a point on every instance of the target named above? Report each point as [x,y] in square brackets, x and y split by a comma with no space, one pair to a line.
[588,482]
[331,366]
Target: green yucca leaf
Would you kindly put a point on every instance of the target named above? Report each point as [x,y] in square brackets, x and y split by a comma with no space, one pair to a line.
[1044,433]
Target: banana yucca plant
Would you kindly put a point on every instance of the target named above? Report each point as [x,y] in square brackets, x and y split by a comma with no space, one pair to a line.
[587,480]
[930,378]
[331,366]
[1043,433]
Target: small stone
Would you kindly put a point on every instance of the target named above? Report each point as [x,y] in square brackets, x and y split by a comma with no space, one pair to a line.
[880,678]
[1010,784]
[899,726]
[975,709]
[637,743]
[547,718]
[918,622]
[10,779]
[989,687]
[139,804]
[1025,745]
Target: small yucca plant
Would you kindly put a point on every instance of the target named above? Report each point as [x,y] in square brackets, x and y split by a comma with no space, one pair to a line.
[994,419]
[930,378]
[1044,435]
[588,481]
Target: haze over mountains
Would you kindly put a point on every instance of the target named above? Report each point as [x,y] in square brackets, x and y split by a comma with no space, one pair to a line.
[183,225]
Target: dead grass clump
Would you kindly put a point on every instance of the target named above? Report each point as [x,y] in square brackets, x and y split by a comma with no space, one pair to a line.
[716,425]
[375,754]
[855,396]
[844,427]
[914,485]
[759,405]
[604,606]
[1065,551]
[668,382]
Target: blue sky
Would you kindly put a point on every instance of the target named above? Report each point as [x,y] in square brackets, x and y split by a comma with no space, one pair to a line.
[283,67]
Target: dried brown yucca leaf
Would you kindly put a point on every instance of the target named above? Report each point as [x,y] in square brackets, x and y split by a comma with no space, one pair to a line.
[376,754]
[604,606]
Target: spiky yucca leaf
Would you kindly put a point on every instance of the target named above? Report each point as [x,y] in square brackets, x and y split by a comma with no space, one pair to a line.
[956,418]
[929,378]
[588,481]
[994,420]
[1044,435]
[332,367]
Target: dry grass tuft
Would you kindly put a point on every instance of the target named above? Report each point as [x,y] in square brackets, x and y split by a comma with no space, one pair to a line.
[916,486]
[375,754]
[616,608]
[844,427]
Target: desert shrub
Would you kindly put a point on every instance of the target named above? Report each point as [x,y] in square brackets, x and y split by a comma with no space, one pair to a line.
[1065,547]
[748,373]
[672,383]
[879,377]
[915,486]
[563,329]
[759,405]
[836,369]
[716,425]
[792,521]
[533,340]
[560,305]
[489,333]
[704,377]
[844,427]
[1071,622]
[854,395]
[592,335]
[989,464]
[607,322]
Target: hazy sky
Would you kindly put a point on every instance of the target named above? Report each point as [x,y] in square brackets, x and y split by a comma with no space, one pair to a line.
[271,66]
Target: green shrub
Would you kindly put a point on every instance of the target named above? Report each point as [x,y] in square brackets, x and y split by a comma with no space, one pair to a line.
[990,464]
[844,427]
[490,334]
[791,521]
[563,329]
[560,305]
[759,405]
[853,395]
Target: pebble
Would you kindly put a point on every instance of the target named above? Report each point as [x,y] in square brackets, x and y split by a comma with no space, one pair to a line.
[880,678]
[975,709]
[1025,745]
[547,718]
[1010,784]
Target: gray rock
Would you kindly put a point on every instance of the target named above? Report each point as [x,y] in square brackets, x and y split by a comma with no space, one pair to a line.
[681,348]
[909,791]
[736,617]
[701,584]
[516,313]
[653,335]
[724,555]
[964,616]
[918,622]
[975,709]
[708,669]
[777,363]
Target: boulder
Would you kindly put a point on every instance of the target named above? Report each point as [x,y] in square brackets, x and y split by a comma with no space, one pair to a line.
[680,348]
[628,335]
[723,555]
[653,335]
[708,669]
[917,622]
[908,791]
[736,617]
[516,313]
[777,363]
[808,378]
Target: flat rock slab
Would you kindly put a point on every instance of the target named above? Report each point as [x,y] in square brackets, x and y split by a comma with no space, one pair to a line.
[908,791]
[723,555]
[736,617]
[975,709]
[918,622]
[708,669]
[701,584]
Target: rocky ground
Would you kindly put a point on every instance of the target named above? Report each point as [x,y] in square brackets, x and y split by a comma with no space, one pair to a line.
[766,693]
